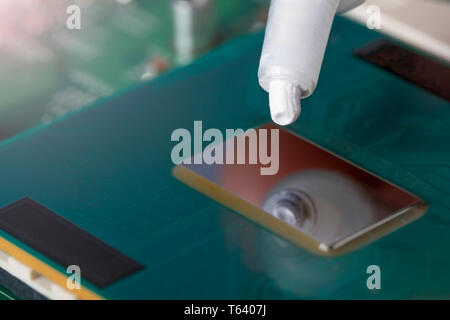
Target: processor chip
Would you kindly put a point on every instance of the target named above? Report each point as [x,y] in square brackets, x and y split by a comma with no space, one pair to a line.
[317,199]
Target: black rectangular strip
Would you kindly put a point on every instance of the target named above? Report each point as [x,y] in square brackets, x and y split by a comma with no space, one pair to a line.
[65,243]
[422,71]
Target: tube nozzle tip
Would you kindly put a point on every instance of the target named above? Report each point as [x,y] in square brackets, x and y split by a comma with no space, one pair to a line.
[284,101]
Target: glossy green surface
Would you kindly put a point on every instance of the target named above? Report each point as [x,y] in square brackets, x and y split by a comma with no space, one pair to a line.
[107,169]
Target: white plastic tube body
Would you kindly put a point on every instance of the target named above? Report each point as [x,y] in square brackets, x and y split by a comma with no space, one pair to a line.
[294,46]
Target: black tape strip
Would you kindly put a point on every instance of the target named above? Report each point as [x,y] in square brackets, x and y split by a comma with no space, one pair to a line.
[422,71]
[65,243]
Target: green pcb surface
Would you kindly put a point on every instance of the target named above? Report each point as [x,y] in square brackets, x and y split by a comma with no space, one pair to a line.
[107,169]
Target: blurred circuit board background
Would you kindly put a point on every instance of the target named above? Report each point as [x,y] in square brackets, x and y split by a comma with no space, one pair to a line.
[48,70]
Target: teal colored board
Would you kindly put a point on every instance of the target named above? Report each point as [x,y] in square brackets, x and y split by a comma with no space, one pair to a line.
[107,169]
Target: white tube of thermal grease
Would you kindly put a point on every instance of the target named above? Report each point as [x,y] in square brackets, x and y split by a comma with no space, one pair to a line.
[296,37]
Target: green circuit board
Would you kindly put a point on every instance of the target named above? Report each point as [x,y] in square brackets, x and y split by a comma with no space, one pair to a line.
[107,169]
